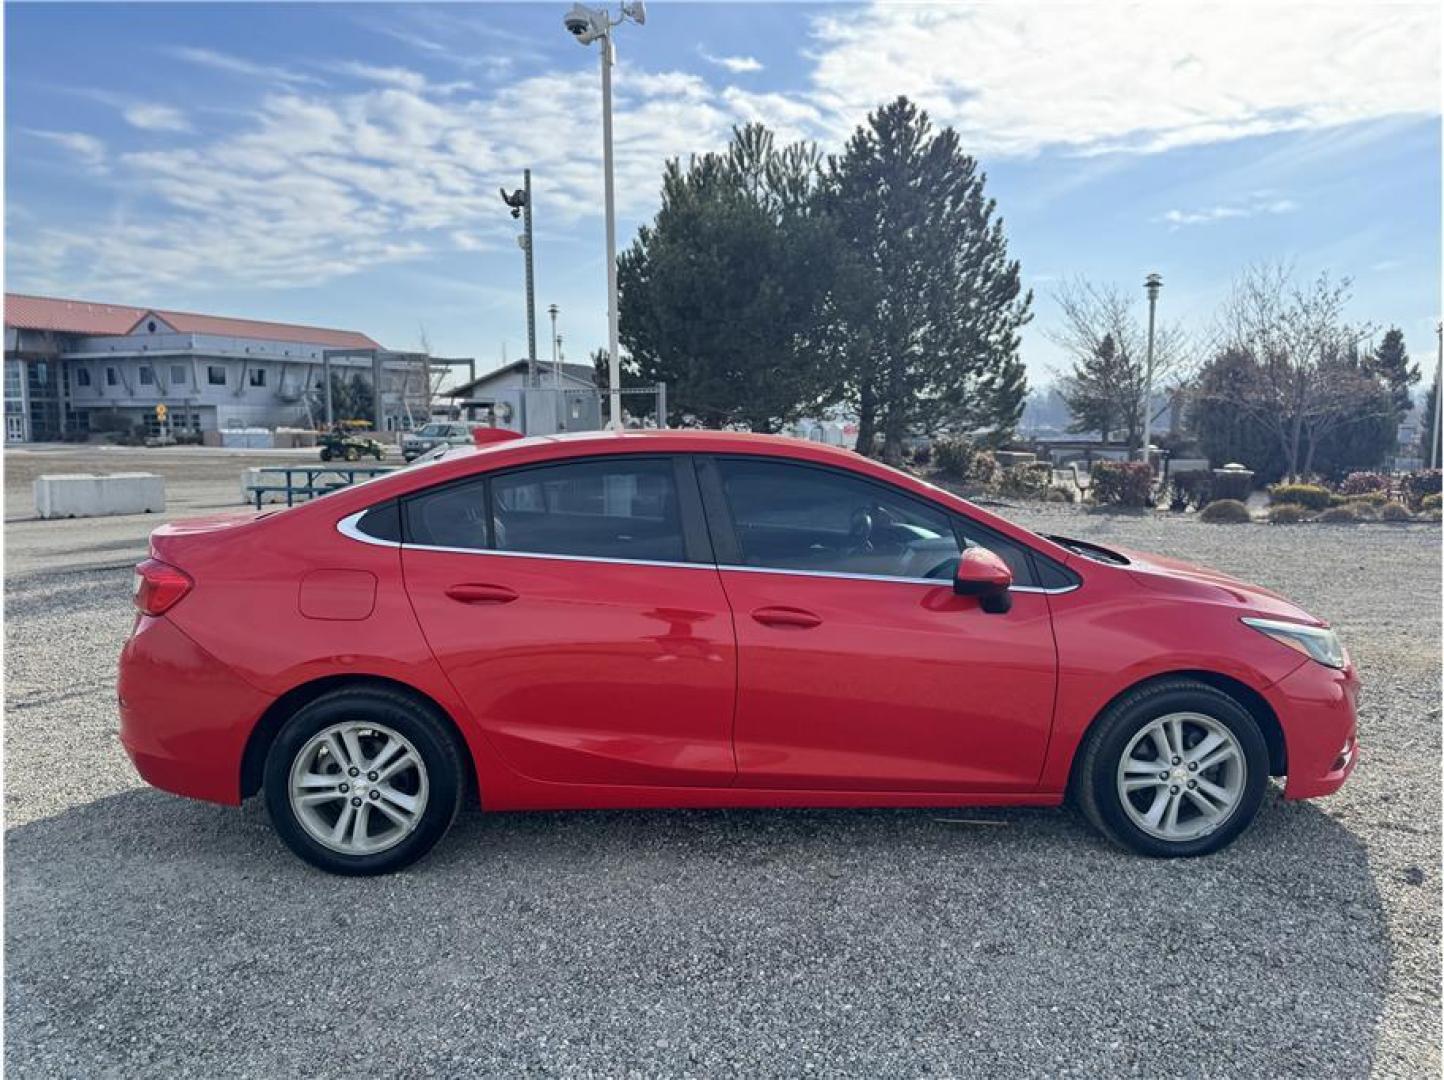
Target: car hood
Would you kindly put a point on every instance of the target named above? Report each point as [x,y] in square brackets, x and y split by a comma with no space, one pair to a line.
[1164,574]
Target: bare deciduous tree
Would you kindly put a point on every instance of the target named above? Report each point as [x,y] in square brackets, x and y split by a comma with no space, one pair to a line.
[1306,381]
[1105,331]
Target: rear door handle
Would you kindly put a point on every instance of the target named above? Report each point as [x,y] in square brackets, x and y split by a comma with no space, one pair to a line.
[481,594]
[787,616]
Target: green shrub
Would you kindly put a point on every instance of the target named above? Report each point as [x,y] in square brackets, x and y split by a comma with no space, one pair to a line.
[1189,490]
[1339,515]
[1419,485]
[960,460]
[1122,483]
[1225,512]
[953,457]
[1361,483]
[1431,502]
[1373,499]
[1289,514]
[1394,512]
[1313,496]
[1030,481]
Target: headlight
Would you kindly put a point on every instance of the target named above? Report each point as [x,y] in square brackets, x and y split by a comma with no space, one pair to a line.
[1315,642]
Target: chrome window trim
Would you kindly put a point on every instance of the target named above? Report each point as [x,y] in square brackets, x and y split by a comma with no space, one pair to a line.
[555,556]
[881,577]
[347,527]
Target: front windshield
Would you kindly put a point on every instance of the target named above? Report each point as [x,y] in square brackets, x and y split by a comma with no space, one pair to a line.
[433,430]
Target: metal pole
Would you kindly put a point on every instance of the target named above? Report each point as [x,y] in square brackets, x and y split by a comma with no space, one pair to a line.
[326,378]
[1438,407]
[614,360]
[1152,284]
[552,310]
[530,291]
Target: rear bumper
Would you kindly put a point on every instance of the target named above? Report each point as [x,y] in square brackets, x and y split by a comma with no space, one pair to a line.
[1316,707]
[184,716]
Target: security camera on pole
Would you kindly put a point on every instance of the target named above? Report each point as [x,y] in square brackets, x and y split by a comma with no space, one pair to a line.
[520,203]
[588,25]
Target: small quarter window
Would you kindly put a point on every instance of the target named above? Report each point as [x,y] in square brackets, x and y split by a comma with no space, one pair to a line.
[382,522]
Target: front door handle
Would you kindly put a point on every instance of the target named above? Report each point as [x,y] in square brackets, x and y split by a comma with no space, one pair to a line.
[787,616]
[481,594]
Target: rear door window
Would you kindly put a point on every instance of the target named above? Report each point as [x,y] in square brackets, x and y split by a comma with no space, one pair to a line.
[623,509]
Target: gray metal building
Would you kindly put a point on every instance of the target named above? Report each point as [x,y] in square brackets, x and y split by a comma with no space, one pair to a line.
[73,366]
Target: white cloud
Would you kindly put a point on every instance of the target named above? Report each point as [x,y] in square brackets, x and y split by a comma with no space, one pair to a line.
[738,65]
[1101,77]
[1259,204]
[237,65]
[89,150]
[316,180]
[151,117]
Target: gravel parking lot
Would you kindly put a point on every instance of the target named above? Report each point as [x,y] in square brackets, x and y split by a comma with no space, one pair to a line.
[149,933]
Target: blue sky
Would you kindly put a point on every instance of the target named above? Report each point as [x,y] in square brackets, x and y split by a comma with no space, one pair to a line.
[339,163]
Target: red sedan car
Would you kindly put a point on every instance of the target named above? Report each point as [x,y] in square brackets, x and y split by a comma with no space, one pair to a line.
[701,619]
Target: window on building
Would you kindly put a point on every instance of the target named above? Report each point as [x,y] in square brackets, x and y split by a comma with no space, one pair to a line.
[82,376]
[216,375]
[177,374]
[147,376]
[111,377]
[258,376]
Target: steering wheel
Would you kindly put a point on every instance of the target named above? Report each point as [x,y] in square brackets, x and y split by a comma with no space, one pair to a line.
[860,530]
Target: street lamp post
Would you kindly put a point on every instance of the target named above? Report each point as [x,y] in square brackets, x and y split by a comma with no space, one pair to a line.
[553,310]
[588,25]
[1152,283]
[520,203]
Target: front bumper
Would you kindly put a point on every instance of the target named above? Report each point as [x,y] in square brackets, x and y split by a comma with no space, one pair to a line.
[184,716]
[1317,709]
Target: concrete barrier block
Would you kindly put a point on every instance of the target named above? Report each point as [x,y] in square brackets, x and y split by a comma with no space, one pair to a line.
[67,496]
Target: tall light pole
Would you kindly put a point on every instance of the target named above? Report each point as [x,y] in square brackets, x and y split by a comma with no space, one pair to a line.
[588,25]
[1152,283]
[553,310]
[520,203]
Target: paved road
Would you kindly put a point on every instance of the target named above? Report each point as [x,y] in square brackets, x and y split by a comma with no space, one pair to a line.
[149,933]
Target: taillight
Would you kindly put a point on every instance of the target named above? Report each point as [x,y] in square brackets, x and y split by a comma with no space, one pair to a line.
[159,586]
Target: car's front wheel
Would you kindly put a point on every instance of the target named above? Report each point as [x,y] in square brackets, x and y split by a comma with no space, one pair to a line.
[363,781]
[1175,768]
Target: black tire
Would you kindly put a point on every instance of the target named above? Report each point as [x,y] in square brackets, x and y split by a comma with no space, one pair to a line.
[325,453]
[434,742]
[1095,778]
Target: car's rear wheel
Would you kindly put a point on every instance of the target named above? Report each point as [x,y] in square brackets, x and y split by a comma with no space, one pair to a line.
[363,781]
[1176,768]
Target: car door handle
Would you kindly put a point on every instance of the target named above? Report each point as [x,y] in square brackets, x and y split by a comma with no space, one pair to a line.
[787,616]
[481,594]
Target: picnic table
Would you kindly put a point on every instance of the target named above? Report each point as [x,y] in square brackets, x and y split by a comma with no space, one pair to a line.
[308,481]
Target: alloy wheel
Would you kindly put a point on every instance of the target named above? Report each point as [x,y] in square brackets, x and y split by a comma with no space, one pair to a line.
[358,788]
[1181,776]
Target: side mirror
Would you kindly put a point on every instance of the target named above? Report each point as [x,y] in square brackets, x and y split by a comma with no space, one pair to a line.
[982,574]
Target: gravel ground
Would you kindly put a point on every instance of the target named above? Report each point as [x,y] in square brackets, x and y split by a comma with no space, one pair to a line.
[149,933]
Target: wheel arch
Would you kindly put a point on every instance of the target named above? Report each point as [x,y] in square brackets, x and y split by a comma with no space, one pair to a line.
[1246,696]
[263,734]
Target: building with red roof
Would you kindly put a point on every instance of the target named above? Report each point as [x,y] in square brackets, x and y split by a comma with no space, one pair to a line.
[74,366]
